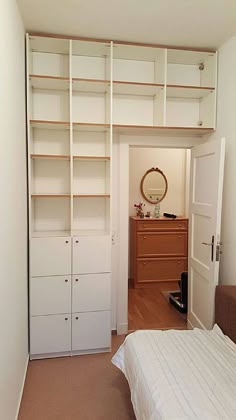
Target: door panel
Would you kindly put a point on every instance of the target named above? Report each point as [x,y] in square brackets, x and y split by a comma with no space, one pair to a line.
[91,254]
[206,185]
[91,292]
[91,330]
[50,295]
[50,256]
[50,334]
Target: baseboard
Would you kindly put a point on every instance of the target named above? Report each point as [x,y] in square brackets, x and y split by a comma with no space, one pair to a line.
[22,388]
[122,328]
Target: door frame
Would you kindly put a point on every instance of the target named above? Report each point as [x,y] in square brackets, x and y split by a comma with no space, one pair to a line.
[122,223]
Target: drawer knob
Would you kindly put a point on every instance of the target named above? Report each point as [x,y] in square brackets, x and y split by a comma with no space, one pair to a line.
[66,280]
[67,242]
[66,319]
[179,237]
[144,237]
[76,241]
[76,279]
[76,317]
[178,262]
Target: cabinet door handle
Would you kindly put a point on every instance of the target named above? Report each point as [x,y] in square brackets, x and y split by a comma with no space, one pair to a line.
[66,319]
[76,241]
[66,280]
[67,242]
[76,318]
[76,279]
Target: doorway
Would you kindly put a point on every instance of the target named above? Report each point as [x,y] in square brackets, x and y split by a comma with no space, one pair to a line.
[148,305]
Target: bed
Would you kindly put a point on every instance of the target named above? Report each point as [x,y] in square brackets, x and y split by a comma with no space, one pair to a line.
[184,374]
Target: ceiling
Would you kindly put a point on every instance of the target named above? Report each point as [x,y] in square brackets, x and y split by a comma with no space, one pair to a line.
[196,23]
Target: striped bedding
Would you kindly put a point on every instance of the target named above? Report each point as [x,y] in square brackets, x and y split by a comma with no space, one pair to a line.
[179,375]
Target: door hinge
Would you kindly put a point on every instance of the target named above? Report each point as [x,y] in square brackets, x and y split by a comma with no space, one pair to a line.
[218,250]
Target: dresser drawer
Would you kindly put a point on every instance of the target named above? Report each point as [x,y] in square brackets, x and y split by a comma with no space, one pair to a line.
[158,270]
[162,225]
[161,244]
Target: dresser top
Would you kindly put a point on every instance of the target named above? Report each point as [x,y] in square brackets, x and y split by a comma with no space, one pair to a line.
[156,219]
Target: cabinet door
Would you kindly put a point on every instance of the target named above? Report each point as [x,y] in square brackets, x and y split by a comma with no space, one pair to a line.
[50,295]
[91,292]
[50,256]
[50,334]
[91,254]
[91,330]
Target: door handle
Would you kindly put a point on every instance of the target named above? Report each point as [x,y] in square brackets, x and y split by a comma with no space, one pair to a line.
[212,246]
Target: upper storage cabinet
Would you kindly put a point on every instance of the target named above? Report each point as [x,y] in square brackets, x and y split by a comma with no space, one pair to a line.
[190,88]
[86,86]
[91,74]
[49,56]
[48,67]
[138,85]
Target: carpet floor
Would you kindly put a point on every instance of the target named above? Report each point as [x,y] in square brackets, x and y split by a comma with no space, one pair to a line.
[76,388]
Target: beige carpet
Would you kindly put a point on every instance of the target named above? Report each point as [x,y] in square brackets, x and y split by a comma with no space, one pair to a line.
[76,388]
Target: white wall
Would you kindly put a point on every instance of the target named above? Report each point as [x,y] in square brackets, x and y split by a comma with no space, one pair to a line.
[173,164]
[226,127]
[13,212]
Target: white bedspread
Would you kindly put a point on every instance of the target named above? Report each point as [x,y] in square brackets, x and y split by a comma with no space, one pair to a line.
[179,375]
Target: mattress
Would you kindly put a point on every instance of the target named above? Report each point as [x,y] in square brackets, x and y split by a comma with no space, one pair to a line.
[180,374]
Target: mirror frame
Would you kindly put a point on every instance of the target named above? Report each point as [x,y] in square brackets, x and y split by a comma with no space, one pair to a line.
[142,182]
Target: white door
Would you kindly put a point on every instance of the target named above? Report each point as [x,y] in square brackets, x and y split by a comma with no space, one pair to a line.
[91,330]
[50,295]
[206,185]
[91,292]
[92,254]
[50,256]
[50,334]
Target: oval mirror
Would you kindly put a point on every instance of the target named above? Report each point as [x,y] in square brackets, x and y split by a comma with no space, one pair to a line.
[154,186]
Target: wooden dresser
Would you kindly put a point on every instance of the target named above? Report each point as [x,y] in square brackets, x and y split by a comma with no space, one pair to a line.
[158,250]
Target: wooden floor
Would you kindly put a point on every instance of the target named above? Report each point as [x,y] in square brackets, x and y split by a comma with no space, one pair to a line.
[148,309]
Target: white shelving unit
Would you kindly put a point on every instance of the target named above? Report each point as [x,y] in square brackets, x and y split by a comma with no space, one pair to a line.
[69,142]
[79,93]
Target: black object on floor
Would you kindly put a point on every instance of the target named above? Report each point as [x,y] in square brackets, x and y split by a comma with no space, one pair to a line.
[179,298]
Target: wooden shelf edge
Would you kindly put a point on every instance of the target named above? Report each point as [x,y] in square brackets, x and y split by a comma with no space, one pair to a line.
[39,156]
[47,77]
[190,87]
[121,82]
[91,157]
[91,195]
[49,122]
[50,195]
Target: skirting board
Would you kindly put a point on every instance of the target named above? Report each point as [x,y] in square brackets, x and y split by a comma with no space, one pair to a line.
[122,328]
[22,388]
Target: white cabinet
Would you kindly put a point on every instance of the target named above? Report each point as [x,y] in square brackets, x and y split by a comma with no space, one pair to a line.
[91,254]
[50,334]
[91,292]
[91,331]
[80,94]
[50,256]
[50,295]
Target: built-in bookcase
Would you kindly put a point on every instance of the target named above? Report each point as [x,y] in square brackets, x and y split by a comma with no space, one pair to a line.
[80,92]
[69,130]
